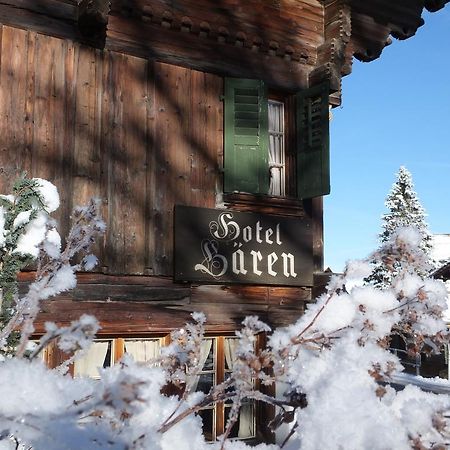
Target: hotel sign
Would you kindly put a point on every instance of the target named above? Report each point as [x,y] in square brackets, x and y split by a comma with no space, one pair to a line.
[225,246]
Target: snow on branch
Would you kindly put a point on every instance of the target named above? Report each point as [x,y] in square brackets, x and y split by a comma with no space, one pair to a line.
[339,375]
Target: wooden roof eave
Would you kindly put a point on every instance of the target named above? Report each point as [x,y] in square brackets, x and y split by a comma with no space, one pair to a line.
[374,21]
[362,30]
[274,41]
[435,5]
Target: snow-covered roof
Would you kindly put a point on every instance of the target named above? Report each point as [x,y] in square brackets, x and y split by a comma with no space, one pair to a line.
[441,247]
[441,253]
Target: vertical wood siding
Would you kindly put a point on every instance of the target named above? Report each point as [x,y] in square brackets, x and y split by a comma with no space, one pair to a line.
[140,135]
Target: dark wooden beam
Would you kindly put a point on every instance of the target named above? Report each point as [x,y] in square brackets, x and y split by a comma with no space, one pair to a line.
[131,305]
[281,68]
[45,16]
[321,279]
[93,19]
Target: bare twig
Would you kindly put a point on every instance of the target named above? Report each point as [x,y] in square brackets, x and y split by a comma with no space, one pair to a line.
[291,433]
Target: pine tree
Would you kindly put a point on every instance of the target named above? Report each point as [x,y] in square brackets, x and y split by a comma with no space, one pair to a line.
[16,212]
[404,210]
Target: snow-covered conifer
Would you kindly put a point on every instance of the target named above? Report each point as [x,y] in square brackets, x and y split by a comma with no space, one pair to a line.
[25,226]
[404,210]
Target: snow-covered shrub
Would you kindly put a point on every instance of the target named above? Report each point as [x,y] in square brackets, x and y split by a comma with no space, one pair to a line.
[337,355]
[30,235]
[334,360]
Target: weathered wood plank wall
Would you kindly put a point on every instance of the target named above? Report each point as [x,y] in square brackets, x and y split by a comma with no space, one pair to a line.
[140,135]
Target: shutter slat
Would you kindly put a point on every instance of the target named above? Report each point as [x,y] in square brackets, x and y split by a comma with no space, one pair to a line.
[242,107]
[246,99]
[313,166]
[247,115]
[250,92]
[245,123]
[244,131]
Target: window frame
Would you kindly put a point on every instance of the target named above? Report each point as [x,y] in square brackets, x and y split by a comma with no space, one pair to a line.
[260,411]
[290,144]
[277,135]
[306,121]
[288,204]
[54,357]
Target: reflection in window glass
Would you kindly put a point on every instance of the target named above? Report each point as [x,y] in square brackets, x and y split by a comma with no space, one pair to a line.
[205,383]
[208,416]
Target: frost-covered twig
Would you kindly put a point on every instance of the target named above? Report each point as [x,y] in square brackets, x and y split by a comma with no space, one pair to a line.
[56,274]
[74,339]
[332,361]
[208,400]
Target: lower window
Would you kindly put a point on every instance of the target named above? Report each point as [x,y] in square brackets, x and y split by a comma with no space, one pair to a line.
[217,358]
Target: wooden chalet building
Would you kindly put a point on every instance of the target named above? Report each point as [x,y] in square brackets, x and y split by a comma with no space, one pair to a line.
[203,127]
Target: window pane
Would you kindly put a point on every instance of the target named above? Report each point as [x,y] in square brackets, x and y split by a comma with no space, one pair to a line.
[206,363]
[144,349]
[244,427]
[276,148]
[230,346]
[99,355]
[208,418]
[224,348]
[208,345]
[205,382]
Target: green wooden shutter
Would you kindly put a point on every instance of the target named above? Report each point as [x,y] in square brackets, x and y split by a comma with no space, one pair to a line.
[246,137]
[313,142]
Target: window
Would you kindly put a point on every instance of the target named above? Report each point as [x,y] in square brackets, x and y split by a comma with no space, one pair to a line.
[277,157]
[104,353]
[254,155]
[217,356]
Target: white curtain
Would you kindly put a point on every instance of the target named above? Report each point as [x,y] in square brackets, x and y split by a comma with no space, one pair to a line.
[230,346]
[246,421]
[276,149]
[88,365]
[144,350]
[192,380]
[246,414]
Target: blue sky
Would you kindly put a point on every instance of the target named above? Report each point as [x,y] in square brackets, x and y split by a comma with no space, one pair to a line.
[395,111]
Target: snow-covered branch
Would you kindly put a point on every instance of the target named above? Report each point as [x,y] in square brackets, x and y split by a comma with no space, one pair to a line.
[335,363]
